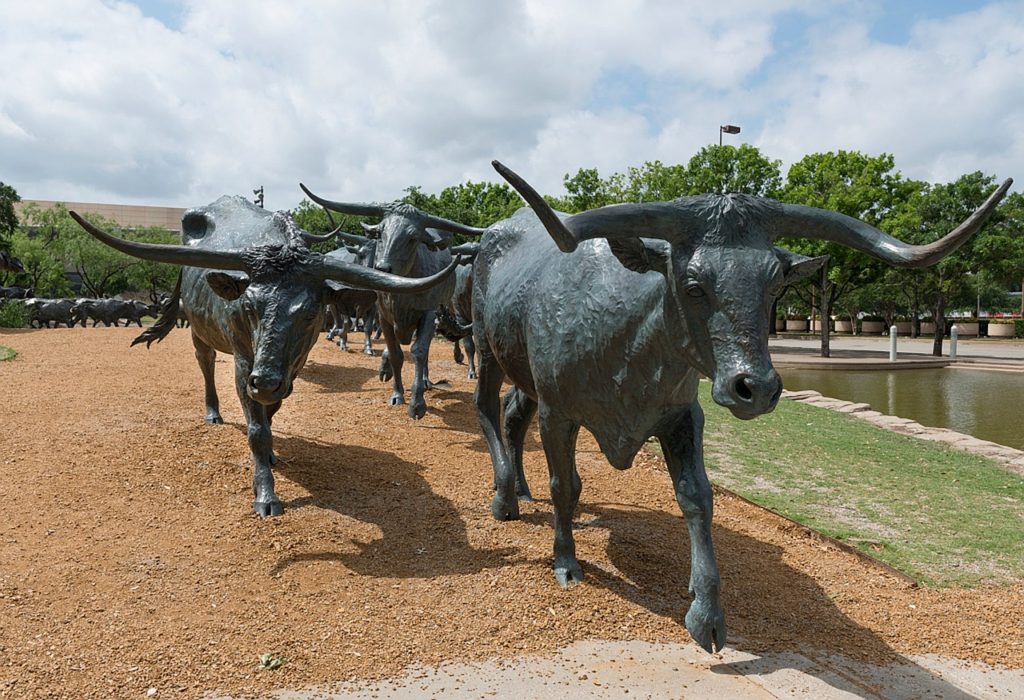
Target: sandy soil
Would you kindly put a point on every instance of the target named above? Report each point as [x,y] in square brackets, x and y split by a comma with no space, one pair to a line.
[130,559]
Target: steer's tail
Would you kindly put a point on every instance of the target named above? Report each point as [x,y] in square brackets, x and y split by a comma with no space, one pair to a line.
[167,321]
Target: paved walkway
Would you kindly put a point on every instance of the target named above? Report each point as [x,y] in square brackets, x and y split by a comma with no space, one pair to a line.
[605,670]
[872,352]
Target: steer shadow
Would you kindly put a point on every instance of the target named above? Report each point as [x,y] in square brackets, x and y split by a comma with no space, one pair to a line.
[335,379]
[768,604]
[422,532]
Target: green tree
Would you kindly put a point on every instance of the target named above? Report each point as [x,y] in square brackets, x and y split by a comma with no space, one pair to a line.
[8,218]
[852,183]
[994,252]
[44,271]
[722,169]
[154,277]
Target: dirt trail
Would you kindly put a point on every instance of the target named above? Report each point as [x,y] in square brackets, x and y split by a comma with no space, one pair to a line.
[130,559]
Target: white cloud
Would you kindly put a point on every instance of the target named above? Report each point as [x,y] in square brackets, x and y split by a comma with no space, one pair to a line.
[361,100]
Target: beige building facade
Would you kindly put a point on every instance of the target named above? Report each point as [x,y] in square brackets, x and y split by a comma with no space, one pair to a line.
[126,215]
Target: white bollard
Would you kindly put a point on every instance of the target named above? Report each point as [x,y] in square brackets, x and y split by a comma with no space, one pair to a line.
[953,333]
[892,344]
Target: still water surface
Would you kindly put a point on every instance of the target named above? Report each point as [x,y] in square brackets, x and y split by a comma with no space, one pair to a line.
[984,404]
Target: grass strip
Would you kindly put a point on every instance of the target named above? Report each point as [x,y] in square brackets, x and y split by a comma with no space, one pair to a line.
[7,353]
[942,516]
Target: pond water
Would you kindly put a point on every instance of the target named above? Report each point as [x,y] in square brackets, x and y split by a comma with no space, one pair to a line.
[984,404]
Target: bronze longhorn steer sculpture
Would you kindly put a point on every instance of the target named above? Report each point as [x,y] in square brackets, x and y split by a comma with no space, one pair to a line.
[251,287]
[411,243]
[607,319]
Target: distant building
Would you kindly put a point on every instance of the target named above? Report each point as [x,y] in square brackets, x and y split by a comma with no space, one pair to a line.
[125,215]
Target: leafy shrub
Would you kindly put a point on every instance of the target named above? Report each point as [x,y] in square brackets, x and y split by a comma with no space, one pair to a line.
[13,314]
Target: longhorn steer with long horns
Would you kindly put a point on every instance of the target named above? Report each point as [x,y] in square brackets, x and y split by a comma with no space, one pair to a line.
[411,243]
[607,319]
[252,288]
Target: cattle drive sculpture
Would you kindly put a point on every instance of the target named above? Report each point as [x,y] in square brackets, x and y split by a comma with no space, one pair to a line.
[410,243]
[613,333]
[251,287]
[349,306]
[9,263]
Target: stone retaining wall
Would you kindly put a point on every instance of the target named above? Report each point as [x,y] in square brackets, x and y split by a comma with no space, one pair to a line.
[1008,457]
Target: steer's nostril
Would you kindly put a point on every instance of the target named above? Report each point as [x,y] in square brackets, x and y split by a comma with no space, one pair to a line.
[743,388]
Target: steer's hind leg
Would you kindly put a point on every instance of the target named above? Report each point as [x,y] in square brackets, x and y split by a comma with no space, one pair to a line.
[519,411]
[683,449]
[261,443]
[206,356]
[558,434]
[470,355]
[487,397]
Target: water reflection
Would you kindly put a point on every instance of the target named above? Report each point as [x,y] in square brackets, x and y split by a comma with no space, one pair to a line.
[976,402]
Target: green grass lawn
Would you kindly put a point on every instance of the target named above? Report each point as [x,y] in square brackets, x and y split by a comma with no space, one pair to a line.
[7,353]
[942,516]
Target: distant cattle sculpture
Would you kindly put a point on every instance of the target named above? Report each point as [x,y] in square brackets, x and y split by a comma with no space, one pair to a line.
[411,243]
[43,312]
[347,304]
[251,287]
[606,320]
[17,292]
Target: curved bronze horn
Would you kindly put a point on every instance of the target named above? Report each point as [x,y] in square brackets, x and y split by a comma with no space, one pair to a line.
[356,208]
[173,254]
[665,220]
[311,238]
[369,278]
[352,238]
[809,222]
[431,221]
[470,249]
[372,230]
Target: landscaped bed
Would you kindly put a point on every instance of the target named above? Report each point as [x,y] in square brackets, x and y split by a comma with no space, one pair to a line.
[130,558]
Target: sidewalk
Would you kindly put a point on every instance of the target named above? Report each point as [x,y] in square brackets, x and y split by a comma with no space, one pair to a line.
[605,670]
[872,352]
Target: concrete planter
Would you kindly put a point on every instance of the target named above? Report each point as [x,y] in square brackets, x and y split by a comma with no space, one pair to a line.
[927,328]
[872,327]
[797,325]
[904,327]
[965,329]
[780,324]
[844,327]
[816,326]
[1000,330]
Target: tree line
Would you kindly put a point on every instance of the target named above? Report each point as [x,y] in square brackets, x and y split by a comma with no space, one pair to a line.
[865,187]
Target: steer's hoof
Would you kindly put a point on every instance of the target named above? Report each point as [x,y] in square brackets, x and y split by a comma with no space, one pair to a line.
[397,399]
[471,374]
[706,624]
[367,350]
[568,575]
[417,409]
[214,419]
[268,509]
[504,509]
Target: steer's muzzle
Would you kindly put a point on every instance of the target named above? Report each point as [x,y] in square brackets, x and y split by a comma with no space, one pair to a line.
[747,395]
[266,387]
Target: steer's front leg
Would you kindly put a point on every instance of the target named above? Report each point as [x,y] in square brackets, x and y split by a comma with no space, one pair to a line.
[261,443]
[684,453]
[420,353]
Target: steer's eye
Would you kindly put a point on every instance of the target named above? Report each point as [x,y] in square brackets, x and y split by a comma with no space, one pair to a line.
[693,289]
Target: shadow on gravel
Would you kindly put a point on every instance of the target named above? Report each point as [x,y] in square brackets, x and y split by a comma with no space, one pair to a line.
[334,379]
[422,533]
[769,606]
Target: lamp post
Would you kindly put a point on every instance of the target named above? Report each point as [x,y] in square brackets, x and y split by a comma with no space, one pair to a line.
[259,196]
[727,129]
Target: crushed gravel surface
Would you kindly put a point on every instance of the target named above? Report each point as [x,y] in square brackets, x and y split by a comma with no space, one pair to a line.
[130,558]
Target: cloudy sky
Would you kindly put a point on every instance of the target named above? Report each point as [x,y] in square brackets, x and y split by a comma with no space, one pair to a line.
[176,102]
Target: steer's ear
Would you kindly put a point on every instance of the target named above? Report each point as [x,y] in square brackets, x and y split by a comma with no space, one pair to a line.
[642,254]
[436,239]
[796,267]
[227,285]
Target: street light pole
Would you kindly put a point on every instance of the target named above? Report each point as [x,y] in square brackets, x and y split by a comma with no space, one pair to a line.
[727,129]
[259,196]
